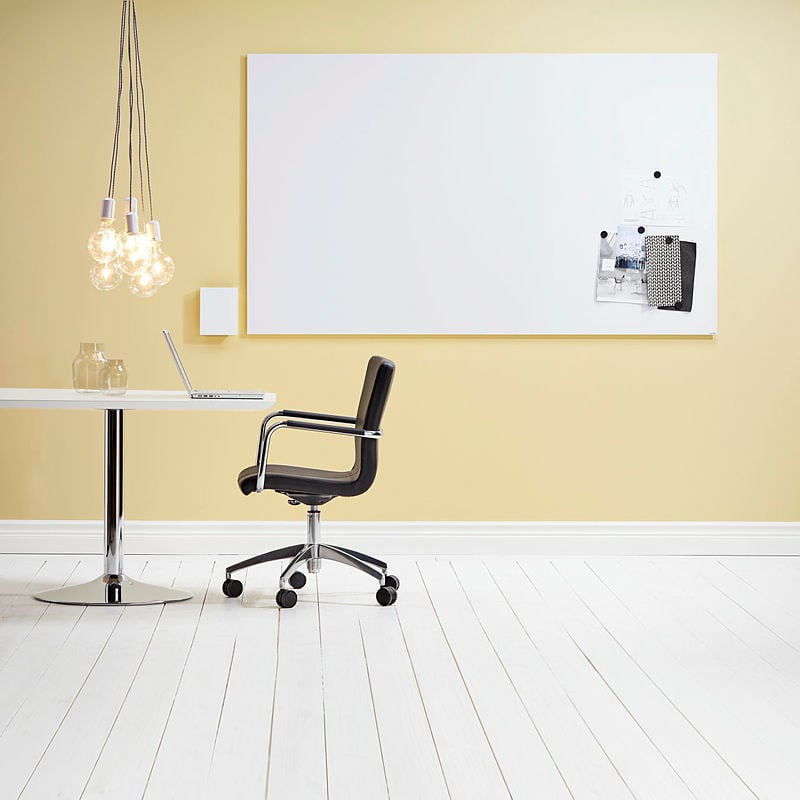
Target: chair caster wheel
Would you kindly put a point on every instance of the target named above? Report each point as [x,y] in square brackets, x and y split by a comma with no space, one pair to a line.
[297,580]
[286,598]
[231,587]
[386,595]
[393,581]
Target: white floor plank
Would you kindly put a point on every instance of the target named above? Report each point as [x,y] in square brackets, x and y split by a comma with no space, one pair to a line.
[67,762]
[766,664]
[15,574]
[297,759]
[22,613]
[707,653]
[469,764]
[32,656]
[586,664]
[762,575]
[36,721]
[126,759]
[526,763]
[637,678]
[772,615]
[673,608]
[668,666]
[733,613]
[413,768]
[181,764]
[765,573]
[239,760]
[7,572]
[585,766]
[355,762]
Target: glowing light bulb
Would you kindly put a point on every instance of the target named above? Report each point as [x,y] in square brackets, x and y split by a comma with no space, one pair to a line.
[136,247]
[142,284]
[162,267]
[104,244]
[105,276]
[136,253]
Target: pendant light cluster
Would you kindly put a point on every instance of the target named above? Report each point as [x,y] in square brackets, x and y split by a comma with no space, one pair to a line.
[133,255]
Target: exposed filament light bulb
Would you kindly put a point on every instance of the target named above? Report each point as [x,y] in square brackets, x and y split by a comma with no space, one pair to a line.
[142,284]
[162,267]
[105,276]
[136,248]
[104,244]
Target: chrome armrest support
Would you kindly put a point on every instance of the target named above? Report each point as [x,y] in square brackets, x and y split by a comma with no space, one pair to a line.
[263,449]
[287,412]
[267,431]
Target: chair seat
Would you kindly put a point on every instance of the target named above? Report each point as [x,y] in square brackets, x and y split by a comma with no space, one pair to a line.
[301,481]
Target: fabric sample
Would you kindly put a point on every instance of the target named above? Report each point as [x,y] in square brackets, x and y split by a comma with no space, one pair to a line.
[663,268]
[688,259]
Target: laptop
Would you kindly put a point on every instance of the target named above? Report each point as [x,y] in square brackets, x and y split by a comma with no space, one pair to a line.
[206,394]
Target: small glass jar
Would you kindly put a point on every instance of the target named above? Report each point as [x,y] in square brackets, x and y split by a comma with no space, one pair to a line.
[87,367]
[115,377]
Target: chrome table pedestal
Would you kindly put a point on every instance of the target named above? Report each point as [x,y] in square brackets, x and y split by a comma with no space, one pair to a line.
[113,588]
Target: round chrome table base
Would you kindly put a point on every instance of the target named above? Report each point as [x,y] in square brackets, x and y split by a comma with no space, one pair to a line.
[113,590]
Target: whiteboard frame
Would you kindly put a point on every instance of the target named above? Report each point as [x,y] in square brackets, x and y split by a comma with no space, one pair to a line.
[326,253]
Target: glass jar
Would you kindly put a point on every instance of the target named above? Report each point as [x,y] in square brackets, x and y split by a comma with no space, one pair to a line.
[115,377]
[88,366]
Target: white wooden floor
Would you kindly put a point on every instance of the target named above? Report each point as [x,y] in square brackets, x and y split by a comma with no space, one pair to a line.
[649,678]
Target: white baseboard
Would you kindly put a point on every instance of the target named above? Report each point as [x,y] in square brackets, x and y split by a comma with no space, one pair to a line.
[414,538]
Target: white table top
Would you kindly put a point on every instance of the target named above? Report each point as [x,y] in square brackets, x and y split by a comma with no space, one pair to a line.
[132,399]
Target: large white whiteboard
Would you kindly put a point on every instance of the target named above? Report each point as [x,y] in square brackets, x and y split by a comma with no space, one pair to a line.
[464,194]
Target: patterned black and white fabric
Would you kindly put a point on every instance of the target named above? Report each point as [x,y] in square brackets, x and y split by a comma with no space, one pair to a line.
[663,268]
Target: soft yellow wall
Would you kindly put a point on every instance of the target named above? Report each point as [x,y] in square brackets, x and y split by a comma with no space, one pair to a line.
[477,428]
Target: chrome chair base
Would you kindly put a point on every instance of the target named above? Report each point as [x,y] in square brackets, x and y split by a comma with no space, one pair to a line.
[312,554]
[113,590]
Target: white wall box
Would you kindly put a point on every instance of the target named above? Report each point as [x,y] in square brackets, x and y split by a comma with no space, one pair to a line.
[219,311]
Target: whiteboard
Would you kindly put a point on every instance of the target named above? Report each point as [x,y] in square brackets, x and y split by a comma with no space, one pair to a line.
[464,194]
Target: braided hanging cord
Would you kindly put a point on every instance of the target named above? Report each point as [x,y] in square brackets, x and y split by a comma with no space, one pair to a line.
[140,88]
[130,108]
[115,152]
[129,47]
[138,102]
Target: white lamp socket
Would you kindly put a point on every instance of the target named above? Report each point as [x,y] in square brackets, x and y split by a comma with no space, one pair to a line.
[107,211]
[154,230]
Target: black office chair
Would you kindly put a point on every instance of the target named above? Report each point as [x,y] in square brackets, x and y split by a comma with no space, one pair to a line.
[314,487]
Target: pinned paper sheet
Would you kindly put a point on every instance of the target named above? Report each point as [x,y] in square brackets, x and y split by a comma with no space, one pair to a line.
[629,247]
[620,262]
[651,200]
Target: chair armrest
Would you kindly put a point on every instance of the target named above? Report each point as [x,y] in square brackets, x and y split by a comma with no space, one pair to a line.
[286,412]
[312,426]
[315,415]
[267,433]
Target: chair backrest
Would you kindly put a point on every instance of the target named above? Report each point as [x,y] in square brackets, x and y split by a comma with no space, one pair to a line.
[371,405]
